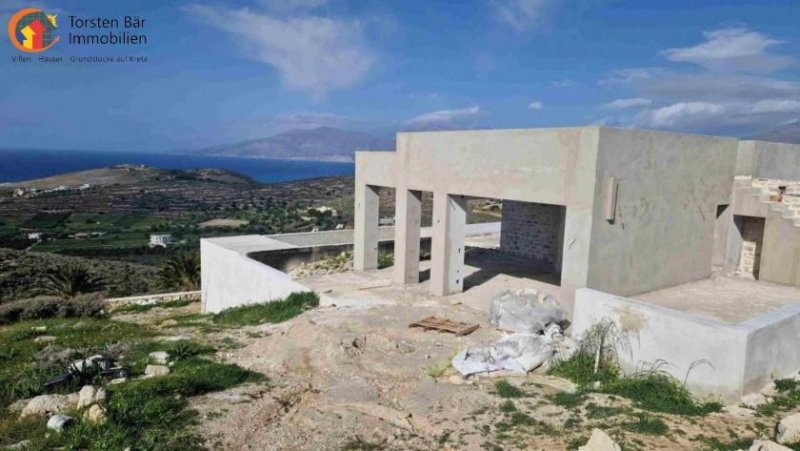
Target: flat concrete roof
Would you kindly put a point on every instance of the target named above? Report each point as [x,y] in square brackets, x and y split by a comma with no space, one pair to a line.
[725,298]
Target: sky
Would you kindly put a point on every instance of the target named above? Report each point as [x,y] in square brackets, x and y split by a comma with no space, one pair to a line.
[220,72]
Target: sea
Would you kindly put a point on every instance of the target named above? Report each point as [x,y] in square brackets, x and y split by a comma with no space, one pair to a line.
[18,165]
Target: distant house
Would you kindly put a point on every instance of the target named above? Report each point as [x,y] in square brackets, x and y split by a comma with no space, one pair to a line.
[162,240]
[35,236]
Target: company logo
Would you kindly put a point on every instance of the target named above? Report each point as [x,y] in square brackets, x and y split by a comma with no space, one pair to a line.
[32,30]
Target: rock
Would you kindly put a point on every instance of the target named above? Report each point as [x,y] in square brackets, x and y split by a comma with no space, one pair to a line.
[767,445]
[600,441]
[44,339]
[96,414]
[455,379]
[156,370]
[753,400]
[789,429]
[19,445]
[405,347]
[159,357]
[119,380]
[18,405]
[89,395]
[39,329]
[47,405]
[769,390]
[738,411]
[86,396]
[59,422]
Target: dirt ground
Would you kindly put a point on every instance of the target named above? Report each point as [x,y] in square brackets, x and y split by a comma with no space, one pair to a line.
[351,374]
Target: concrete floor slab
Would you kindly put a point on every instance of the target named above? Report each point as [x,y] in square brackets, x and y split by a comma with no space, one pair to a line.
[726,298]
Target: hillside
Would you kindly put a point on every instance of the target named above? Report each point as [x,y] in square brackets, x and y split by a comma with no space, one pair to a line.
[786,133]
[133,175]
[323,144]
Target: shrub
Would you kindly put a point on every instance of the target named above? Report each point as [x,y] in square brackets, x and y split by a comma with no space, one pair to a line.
[181,272]
[271,312]
[647,424]
[69,280]
[659,392]
[49,307]
[506,390]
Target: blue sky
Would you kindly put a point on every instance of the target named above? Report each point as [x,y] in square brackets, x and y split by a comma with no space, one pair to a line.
[221,72]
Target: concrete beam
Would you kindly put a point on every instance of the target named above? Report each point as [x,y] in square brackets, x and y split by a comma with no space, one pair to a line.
[365,239]
[408,217]
[447,248]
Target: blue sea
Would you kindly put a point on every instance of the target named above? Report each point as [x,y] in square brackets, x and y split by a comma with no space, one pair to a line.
[18,165]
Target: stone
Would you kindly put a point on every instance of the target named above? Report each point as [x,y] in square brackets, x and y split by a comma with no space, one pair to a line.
[600,441]
[39,328]
[47,405]
[44,339]
[86,396]
[19,445]
[119,380]
[96,414]
[753,400]
[156,370]
[18,405]
[159,357]
[767,445]
[59,422]
[405,347]
[769,390]
[738,411]
[788,430]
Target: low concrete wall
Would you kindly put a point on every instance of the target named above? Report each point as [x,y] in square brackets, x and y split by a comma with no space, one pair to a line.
[232,275]
[715,358]
[231,279]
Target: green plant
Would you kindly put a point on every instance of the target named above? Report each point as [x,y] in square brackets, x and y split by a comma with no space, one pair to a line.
[181,272]
[506,390]
[596,359]
[647,424]
[659,392]
[184,349]
[48,307]
[69,280]
[271,312]
[568,400]
[508,407]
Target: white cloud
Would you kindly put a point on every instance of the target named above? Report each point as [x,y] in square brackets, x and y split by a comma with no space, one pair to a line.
[633,102]
[445,119]
[292,5]
[700,116]
[732,49]
[312,54]
[535,105]
[522,15]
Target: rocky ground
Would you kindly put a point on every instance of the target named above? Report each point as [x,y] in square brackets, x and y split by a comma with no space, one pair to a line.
[360,378]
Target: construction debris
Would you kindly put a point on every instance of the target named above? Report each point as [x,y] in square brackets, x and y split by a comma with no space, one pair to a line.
[445,325]
[517,353]
[525,311]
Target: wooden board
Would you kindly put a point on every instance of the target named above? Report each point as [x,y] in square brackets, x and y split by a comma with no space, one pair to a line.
[445,325]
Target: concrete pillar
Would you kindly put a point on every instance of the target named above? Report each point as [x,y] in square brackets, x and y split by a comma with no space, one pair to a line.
[447,251]
[408,216]
[365,236]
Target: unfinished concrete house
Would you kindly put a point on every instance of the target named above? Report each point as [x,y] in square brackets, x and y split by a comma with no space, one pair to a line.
[691,244]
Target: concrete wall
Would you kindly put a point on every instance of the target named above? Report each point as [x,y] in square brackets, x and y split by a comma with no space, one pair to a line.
[551,166]
[728,360]
[769,160]
[533,230]
[230,279]
[669,186]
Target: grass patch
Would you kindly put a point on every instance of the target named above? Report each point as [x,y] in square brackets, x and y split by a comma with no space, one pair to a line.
[715,444]
[508,407]
[596,361]
[647,424]
[568,400]
[360,444]
[595,412]
[271,312]
[506,390]
[787,398]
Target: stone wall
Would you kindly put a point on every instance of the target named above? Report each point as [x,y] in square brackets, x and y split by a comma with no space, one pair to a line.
[533,230]
[752,238]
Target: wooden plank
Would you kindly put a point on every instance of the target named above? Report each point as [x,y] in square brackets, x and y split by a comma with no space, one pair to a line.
[445,325]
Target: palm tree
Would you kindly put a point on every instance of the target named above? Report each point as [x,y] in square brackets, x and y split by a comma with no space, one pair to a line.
[69,281]
[181,272]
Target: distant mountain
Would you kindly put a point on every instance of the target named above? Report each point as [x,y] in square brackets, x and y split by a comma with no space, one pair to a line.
[323,143]
[786,133]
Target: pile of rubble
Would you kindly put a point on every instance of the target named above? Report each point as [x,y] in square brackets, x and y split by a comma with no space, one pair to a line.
[329,265]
